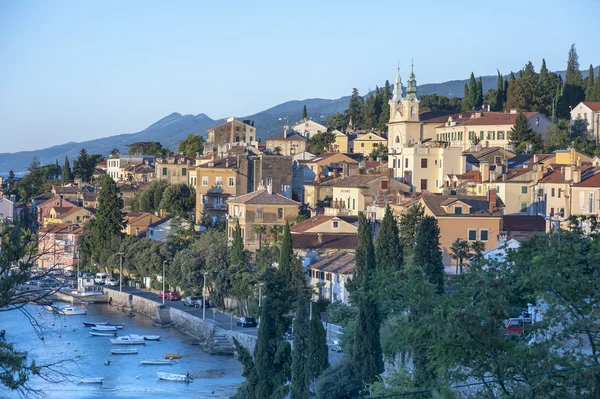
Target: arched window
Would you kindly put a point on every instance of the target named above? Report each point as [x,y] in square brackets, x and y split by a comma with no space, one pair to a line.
[397,139]
[412,111]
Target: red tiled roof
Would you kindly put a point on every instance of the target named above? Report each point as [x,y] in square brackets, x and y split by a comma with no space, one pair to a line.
[524,223]
[478,205]
[327,241]
[262,197]
[593,105]
[490,118]
[61,228]
[590,181]
[317,220]
[338,262]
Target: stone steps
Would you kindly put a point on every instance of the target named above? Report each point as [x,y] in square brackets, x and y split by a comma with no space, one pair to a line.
[219,344]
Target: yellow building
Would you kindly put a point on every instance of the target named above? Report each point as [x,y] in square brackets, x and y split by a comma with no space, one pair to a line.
[70,215]
[287,142]
[343,143]
[259,208]
[366,143]
[136,223]
[319,163]
[327,224]
[230,132]
[174,169]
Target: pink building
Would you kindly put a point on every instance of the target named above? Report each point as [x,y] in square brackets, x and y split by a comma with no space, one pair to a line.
[57,249]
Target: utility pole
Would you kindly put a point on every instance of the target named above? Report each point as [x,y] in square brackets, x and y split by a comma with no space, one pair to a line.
[204,297]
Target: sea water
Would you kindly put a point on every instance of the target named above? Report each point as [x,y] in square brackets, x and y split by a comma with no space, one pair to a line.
[66,339]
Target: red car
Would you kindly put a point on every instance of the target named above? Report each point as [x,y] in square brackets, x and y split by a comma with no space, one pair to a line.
[173,296]
[163,294]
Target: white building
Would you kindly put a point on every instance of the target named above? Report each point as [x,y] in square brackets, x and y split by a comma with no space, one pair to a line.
[329,275]
[115,164]
[309,128]
[588,113]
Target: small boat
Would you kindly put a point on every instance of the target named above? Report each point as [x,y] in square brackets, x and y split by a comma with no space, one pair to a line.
[175,377]
[127,340]
[172,356]
[91,380]
[119,326]
[103,334]
[124,351]
[71,311]
[156,361]
[104,328]
[94,323]
[145,337]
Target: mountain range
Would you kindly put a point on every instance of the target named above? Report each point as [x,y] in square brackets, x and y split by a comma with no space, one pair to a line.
[174,127]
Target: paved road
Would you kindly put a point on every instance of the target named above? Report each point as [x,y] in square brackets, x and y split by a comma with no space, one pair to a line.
[220,319]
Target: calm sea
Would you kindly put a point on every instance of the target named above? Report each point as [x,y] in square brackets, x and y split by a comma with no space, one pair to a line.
[65,337]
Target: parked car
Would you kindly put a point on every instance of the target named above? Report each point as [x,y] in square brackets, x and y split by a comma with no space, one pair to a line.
[101,278]
[111,282]
[336,348]
[516,325]
[191,301]
[246,322]
[163,294]
[173,296]
[200,300]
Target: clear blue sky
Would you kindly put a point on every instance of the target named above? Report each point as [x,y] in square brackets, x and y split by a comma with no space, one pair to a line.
[76,70]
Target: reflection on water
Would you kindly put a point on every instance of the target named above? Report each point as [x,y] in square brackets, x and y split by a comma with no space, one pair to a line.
[65,337]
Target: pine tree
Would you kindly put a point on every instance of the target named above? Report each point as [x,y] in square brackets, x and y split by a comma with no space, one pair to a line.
[83,167]
[384,115]
[545,90]
[370,113]
[499,93]
[408,227]
[388,251]
[304,113]
[521,134]
[479,89]
[237,254]
[299,386]
[355,109]
[472,91]
[318,352]
[573,92]
[367,357]
[590,84]
[427,254]
[465,105]
[365,254]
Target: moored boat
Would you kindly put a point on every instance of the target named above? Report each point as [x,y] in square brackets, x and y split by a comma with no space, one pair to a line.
[104,328]
[156,361]
[70,311]
[119,326]
[172,356]
[174,377]
[103,334]
[94,323]
[91,380]
[124,351]
[127,340]
[145,337]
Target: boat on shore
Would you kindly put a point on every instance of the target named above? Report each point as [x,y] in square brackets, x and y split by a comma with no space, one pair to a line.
[94,323]
[145,337]
[70,311]
[124,351]
[103,334]
[104,328]
[91,380]
[172,356]
[127,340]
[157,362]
[175,377]
[119,326]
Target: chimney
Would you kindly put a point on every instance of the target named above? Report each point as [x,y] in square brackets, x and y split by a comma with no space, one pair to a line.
[535,158]
[320,239]
[213,156]
[578,163]
[346,170]
[227,162]
[577,176]
[285,132]
[484,168]
[318,178]
[491,197]
[478,114]
[568,172]
[488,107]
[336,173]
[514,111]
[197,155]
[269,187]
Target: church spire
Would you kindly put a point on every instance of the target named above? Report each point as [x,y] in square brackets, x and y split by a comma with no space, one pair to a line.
[411,85]
[397,87]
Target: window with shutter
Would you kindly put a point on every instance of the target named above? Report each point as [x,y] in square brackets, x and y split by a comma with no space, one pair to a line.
[581,200]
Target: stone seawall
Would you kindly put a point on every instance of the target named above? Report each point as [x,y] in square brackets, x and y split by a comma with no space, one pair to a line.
[191,324]
[138,304]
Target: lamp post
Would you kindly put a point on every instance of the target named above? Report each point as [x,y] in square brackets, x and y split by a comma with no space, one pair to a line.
[260,294]
[204,297]
[163,291]
[121,271]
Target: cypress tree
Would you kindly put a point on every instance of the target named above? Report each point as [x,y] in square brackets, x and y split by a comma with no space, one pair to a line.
[237,254]
[318,352]
[67,176]
[427,254]
[479,90]
[355,109]
[109,217]
[367,357]
[465,105]
[472,91]
[299,386]
[388,251]
[499,93]
[365,254]
[286,254]
[573,92]
[304,113]
[384,115]
[590,84]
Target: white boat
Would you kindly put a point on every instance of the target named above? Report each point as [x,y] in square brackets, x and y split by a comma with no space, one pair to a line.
[103,334]
[104,328]
[157,361]
[145,337]
[91,380]
[94,323]
[124,351]
[119,326]
[174,377]
[71,311]
[127,340]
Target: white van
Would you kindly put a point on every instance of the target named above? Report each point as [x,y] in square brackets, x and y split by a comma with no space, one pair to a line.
[101,278]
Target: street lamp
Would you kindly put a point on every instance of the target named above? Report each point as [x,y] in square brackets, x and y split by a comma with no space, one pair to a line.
[204,297]
[260,294]
[121,272]
[163,292]
[552,221]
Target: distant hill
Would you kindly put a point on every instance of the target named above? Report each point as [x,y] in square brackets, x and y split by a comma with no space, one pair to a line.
[174,127]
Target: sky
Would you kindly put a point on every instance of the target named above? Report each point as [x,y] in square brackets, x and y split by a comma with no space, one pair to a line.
[78,70]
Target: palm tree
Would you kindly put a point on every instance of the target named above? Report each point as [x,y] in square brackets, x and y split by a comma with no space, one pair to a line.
[460,250]
[274,232]
[478,247]
[277,150]
[260,229]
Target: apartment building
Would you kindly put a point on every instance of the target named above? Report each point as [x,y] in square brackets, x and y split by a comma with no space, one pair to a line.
[57,246]
[588,113]
[118,166]
[174,169]
[287,143]
[329,275]
[230,132]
